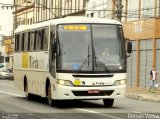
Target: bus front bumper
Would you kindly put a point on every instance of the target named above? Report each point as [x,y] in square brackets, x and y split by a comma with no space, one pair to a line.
[108,92]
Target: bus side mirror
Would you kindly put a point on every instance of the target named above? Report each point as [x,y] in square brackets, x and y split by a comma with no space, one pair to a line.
[129,47]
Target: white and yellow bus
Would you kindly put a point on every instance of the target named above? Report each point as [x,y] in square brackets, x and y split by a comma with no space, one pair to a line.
[71,58]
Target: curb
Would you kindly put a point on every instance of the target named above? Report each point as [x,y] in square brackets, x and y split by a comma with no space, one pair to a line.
[137,97]
[143,98]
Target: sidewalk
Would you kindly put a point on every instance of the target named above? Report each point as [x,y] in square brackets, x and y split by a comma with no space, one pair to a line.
[143,94]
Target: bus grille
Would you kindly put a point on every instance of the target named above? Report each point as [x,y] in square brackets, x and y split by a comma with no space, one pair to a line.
[85,93]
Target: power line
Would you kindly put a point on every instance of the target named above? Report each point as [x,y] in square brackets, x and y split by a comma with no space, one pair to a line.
[121,6]
[118,11]
[134,14]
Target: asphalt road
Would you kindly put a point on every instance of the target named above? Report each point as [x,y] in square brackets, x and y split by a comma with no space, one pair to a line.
[13,105]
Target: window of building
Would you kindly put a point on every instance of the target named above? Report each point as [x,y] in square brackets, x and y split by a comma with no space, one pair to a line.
[44,4]
[31,21]
[92,15]
[99,14]
[104,13]
[6,59]
[1,59]
[28,21]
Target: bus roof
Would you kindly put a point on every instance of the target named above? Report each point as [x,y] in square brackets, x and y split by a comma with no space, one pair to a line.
[67,20]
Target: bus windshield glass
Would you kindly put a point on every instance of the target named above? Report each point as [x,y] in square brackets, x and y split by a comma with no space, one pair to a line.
[90,48]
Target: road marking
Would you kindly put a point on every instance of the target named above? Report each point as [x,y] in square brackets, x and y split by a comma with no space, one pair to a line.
[136,112]
[31,114]
[12,94]
[40,117]
[5,84]
[125,103]
[85,110]
[156,108]
[105,115]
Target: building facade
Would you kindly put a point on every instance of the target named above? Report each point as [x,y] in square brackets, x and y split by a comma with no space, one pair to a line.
[7,51]
[141,22]
[140,9]
[23,12]
[34,11]
[100,8]
[53,9]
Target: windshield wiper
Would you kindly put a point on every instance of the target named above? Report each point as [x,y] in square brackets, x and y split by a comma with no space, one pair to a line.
[99,61]
[109,61]
[85,60]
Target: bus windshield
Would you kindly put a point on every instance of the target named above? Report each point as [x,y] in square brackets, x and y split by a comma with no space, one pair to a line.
[90,48]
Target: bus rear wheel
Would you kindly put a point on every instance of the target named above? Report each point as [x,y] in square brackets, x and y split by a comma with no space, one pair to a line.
[108,102]
[28,95]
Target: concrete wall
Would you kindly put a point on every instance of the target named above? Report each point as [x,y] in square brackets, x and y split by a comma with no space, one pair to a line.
[145,35]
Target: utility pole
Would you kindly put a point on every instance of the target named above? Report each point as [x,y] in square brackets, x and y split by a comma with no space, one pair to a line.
[15,17]
[119,9]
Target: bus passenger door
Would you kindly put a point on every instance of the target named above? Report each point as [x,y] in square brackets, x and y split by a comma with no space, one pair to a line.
[52,52]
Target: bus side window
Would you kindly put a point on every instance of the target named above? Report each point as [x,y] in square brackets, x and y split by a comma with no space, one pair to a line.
[32,38]
[34,48]
[39,40]
[16,42]
[36,40]
[28,45]
[45,38]
[26,41]
[22,41]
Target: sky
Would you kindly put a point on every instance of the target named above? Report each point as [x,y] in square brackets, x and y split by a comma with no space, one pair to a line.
[6,19]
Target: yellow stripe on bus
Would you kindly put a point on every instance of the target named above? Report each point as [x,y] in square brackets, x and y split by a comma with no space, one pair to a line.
[25,59]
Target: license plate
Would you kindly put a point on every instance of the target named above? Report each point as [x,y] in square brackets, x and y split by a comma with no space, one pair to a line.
[93,91]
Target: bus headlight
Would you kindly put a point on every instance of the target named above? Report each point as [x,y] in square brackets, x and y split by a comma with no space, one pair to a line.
[119,82]
[64,82]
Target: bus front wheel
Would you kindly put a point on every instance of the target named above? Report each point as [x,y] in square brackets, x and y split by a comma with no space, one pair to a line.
[108,102]
[49,95]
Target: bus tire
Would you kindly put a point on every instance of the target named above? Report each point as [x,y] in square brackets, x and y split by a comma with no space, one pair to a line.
[49,96]
[28,95]
[108,102]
